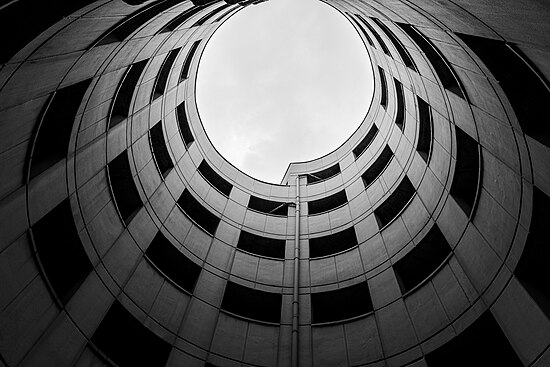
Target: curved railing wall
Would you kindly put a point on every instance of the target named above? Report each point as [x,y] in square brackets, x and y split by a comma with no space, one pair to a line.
[128,240]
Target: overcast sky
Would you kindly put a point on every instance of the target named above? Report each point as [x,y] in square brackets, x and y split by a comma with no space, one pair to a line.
[283,81]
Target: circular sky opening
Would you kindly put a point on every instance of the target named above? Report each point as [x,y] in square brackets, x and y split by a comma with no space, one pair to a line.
[282,81]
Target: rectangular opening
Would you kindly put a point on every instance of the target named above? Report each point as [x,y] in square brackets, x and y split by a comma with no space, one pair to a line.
[160,151]
[214,178]
[268,206]
[162,77]
[424,145]
[420,263]
[482,344]
[532,270]
[526,90]
[54,134]
[466,176]
[324,174]
[173,263]
[180,19]
[24,20]
[400,113]
[125,91]
[252,303]
[341,304]
[198,213]
[124,189]
[403,53]
[60,251]
[363,31]
[384,85]
[184,125]
[263,246]
[376,35]
[442,68]
[395,203]
[188,59]
[377,167]
[333,243]
[367,140]
[203,20]
[120,31]
[329,203]
[127,342]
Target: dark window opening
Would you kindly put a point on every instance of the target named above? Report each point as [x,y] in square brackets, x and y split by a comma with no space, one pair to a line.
[180,19]
[395,203]
[527,91]
[333,243]
[127,342]
[377,167]
[403,53]
[60,251]
[324,174]
[367,140]
[188,59]
[124,189]
[173,263]
[120,31]
[341,304]
[198,213]
[160,151]
[325,204]
[532,270]
[384,91]
[54,134]
[124,93]
[263,246]
[465,181]
[400,114]
[425,258]
[268,206]
[252,303]
[203,20]
[214,178]
[376,35]
[444,71]
[424,145]
[24,20]
[482,344]
[162,77]
[184,125]
[367,37]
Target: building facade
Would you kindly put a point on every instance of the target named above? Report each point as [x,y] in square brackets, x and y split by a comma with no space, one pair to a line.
[126,239]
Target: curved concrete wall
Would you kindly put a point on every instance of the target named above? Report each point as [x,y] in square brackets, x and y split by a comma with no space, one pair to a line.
[128,240]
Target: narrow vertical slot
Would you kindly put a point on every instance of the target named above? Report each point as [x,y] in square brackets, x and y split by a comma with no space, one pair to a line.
[188,59]
[54,134]
[123,96]
[424,145]
[162,77]
[384,88]
[160,151]
[124,189]
[466,176]
[400,113]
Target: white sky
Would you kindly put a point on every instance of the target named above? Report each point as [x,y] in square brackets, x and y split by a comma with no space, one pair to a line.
[282,81]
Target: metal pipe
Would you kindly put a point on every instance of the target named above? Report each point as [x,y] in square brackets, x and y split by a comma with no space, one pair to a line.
[295,297]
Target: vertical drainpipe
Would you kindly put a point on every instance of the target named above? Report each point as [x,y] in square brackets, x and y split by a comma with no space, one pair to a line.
[296,278]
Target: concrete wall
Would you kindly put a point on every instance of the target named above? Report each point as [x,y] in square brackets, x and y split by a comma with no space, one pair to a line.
[78,232]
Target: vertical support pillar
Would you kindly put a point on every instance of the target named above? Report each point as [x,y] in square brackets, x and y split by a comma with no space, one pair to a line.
[295,293]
